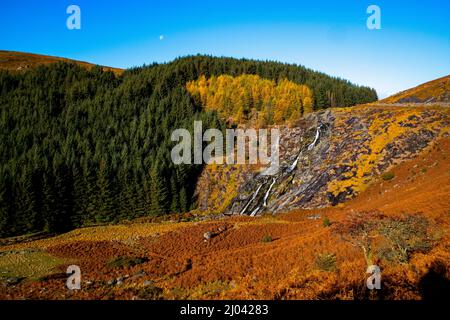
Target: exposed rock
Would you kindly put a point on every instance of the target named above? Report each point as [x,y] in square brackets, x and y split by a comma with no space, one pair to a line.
[12,281]
[207,235]
[332,155]
[111,282]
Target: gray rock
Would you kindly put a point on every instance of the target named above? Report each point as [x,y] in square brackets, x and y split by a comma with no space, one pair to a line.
[13,280]
[111,282]
[208,235]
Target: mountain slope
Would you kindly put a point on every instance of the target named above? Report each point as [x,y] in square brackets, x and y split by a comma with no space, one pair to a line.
[305,258]
[100,144]
[319,253]
[21,61]
[354,147]
[430,92]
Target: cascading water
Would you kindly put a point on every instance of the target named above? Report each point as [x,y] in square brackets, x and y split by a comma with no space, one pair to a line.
[310,147]
[313,144]
[254,212]
[253,198]
[280,176]
[294,164]
[266,196]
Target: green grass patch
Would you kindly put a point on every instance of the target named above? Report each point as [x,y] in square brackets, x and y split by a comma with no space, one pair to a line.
[326,222]
[31,265]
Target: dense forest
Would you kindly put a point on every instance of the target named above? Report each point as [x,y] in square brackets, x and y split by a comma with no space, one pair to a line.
[81,147]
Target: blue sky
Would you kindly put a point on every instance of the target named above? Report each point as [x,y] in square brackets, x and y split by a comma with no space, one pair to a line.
[412,47]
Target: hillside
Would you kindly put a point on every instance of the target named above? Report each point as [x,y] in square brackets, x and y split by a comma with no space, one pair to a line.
[436,91]
[357,186]
[326,158]
[82,146]
[22,61]
[296,255]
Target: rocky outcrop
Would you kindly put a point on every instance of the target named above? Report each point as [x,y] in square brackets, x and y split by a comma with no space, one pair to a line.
[331,156]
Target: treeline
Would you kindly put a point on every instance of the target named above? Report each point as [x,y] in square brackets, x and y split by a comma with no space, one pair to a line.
[79,147]
[327,91]
[250,99]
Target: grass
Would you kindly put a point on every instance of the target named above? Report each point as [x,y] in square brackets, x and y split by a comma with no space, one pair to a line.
[32,265]
[20,61]
[122,233]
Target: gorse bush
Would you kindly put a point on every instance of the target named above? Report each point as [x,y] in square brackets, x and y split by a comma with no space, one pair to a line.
[148,292]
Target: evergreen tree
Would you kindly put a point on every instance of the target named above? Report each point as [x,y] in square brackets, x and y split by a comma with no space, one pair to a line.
[104,204]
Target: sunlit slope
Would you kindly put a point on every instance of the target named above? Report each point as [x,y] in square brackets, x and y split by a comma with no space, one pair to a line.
[430,92]
[21,61]
[297,255]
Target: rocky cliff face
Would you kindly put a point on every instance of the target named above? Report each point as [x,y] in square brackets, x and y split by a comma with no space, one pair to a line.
[328,157]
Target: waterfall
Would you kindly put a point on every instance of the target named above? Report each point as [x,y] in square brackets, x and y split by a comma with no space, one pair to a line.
[281,175]
[253,198]
[266,196]
[294,164]
[312,145]
[254,212]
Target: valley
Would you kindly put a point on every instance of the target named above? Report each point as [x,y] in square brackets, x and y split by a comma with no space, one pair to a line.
[295,254]
[361,182]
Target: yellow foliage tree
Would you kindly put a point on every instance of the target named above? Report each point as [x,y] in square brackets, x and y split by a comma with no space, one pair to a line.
[249,98]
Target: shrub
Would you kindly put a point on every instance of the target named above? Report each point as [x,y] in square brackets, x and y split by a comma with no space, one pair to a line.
[123,262]
[388,176]
[326,222]
[149,292]
[404,235]
[267,238]
[326,262]
[360,229]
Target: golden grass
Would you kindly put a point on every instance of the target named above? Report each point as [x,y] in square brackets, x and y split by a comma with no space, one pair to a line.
[122,233]
[435,88]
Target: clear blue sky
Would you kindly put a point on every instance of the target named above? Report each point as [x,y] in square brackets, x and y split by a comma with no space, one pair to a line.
[412,47]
